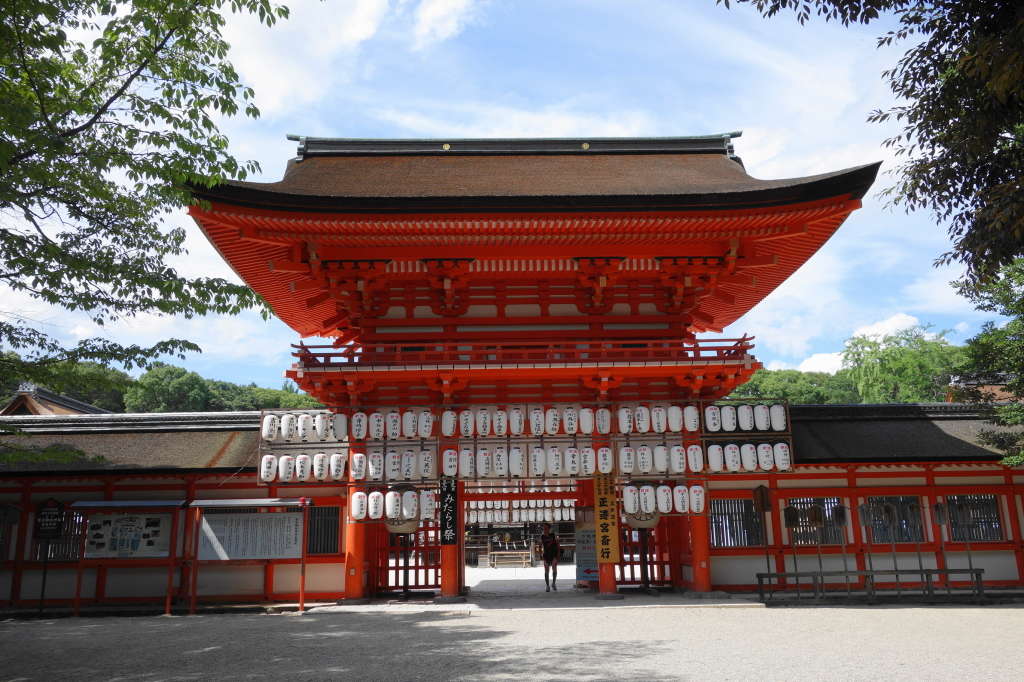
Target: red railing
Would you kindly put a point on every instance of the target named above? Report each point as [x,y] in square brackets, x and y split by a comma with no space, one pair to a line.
[479,352]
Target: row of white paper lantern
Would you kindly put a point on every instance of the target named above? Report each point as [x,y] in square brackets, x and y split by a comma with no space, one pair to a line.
[517,503]
[484,422]
[394,504]
[664,499]
[552,461]
[546,515]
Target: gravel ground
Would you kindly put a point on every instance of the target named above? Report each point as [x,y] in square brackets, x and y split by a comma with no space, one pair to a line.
[622,642]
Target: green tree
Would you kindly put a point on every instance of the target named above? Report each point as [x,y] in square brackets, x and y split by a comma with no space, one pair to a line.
[961,107]
[913,365]
[165,388]
[995,357]
[91,383]
[801,388]
[107,113]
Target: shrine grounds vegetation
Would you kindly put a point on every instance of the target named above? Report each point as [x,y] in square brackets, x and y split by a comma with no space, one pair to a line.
[107,110]
[960,88]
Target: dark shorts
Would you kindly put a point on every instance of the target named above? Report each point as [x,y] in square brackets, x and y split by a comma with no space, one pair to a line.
[550,556]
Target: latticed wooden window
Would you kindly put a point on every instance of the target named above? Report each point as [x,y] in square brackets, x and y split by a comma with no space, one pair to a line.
[322,534]
[806,532]
[736,523]
[974,518]
[896,518]
[65,548]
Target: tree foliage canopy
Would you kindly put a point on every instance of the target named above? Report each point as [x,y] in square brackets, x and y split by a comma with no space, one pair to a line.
[912,365]
[960,90]
[107,110]
[800,388]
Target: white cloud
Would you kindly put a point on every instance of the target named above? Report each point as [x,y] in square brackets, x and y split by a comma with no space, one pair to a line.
[474,119]
[931,293]
[822,362]
[887,327]
[439,20]
[961,327]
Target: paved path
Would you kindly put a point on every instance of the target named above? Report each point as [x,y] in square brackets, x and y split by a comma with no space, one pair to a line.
[626,642]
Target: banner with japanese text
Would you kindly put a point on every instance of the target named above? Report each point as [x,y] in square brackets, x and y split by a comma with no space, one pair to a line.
[606,519]
[450,510]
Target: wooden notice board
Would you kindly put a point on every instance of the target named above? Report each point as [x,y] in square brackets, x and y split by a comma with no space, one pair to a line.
[606,519]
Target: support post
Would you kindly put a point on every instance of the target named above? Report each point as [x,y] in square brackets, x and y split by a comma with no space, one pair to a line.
[700,552]
[355,558]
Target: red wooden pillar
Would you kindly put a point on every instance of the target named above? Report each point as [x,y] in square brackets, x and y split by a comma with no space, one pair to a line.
[700,551]
[675,534]
[357,559]
[452,564]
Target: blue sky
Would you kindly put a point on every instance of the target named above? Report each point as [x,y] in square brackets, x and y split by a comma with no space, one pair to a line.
[429,68]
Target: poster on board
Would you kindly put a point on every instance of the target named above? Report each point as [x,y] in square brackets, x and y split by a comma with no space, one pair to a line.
[250,536]
[128,536]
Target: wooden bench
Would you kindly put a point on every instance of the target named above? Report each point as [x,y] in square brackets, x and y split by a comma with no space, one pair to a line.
[926,575]
[519,557]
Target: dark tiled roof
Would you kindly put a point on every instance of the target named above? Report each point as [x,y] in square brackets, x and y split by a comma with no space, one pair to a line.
[46,395]
[524,174]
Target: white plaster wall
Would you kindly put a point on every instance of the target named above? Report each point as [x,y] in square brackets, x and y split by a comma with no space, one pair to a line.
[138,582]
[223,580]
[319,578]
[997,565]
[60,583]
[733,570]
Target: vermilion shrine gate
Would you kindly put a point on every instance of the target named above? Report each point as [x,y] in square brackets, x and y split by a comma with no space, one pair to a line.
[562,275]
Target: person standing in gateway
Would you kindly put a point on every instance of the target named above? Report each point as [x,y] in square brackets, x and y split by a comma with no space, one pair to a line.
[550,550]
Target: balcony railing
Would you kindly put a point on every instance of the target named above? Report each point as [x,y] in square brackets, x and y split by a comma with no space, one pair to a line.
[519,352]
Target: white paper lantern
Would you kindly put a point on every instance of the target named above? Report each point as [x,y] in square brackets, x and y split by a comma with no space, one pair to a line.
[627,459]
[410,424]
[676,459]
[410,505]
[588,461]
[337,465]
[289,427]
[375,465]
[377,428]
[691,418]
[499,461]
[499,420]
[307,429]
[681,499]
[483,422]
[449,420]
[538,461]
[472,517]
[359,424]
[605,461]
[783,457]
[467,463]
[303,467]
[630,499]
[322,426]
[644,459]
[663,499]
[748,456]
[765,456]
[732,457]
[675,418]
[660,459]
[339,426]
[285,468]
[428,504]
[375,504]
[716,458]
[410,465]
[695,458]
[357,466]
[426,463]
[625,420]
[393,464]
[357,504]
[728,418]
[552,421]
[450,462]
[571,460]
[554,466]
[745,417]
[425,424]
[466,423]
[268,468]
[483,462]
[557,515]
[270,427]
[393,425]
[586,420]
[516,461]
[393,504]
[570,421]
[762,417]
[713,418]
[646,494]
[777,417]
[697,499]
[516,421]
[659,419]
[320,466]
[642,418]
[603,420]
[536,421]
